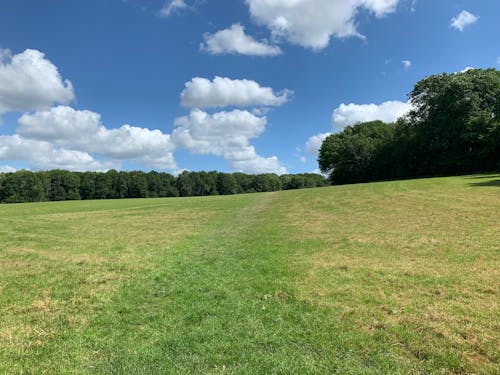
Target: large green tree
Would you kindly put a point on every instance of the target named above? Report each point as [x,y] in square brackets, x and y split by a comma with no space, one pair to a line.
[453,128]
[456,121]
[352,155]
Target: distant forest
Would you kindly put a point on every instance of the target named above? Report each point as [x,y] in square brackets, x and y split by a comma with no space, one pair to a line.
[453,128]
[59,185]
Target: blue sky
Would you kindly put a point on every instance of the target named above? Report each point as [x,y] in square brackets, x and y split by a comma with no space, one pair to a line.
[240,85]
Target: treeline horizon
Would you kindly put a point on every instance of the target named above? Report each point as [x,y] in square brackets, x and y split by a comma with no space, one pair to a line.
[59,185]
[453,128]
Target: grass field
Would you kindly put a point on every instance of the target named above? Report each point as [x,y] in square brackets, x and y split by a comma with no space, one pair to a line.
[393,277]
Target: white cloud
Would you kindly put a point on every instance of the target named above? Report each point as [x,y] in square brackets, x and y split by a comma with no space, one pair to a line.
[349,114]
[463,19]
[83,131]
[406,64]
[42,155]
[29,81]
[317,171]
[498,60]
[226,134]
[61,137]
[7,169]
[235,41]
[260,111]
[223,92]
[204,133]
[311,23]
[253,163]
[172,6]
[314,143]
[61,124]
[466,69]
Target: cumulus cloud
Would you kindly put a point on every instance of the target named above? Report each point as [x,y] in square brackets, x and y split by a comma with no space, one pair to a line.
[226,134]
[61,137]
[223,92]
[83,131]
[463,19]
[42,155]
[314,143]
[249,162]
[312,23]
[28,81]
[172,6]
[406,64]
[217,133]
[349,114]
[235,41]
[7,169]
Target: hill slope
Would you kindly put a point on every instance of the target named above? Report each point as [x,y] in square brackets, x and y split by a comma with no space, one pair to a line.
[392,277]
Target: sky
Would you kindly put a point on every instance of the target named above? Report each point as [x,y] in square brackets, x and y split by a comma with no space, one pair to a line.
[226,85]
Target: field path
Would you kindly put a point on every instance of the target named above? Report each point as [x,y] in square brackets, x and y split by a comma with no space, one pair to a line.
[386,278]
[226,301]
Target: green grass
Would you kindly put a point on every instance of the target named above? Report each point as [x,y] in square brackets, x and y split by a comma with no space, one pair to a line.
[393,277]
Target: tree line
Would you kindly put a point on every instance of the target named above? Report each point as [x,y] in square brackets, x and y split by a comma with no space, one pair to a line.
[58,185]
[453,128]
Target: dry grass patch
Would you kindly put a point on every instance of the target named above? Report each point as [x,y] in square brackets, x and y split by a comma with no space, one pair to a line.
[416,263]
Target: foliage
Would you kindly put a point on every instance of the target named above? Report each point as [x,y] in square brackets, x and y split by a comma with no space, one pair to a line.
[27,186]
[351,155]
[21,186]
[453,128]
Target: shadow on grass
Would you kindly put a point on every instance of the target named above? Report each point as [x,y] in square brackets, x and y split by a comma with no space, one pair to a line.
[486,183]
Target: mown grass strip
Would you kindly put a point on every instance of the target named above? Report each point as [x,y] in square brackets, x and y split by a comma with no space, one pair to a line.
[397,277]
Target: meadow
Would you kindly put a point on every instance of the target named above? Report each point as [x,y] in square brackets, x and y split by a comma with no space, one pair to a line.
[389,277]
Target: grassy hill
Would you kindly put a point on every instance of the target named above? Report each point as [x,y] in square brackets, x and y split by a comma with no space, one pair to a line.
[392,277]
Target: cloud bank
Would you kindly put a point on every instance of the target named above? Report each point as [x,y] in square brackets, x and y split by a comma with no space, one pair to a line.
[42,155]
[226,134]
[53,135]
[83,131]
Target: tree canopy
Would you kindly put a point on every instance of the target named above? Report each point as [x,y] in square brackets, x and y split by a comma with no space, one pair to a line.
[452,128]
[27,186]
